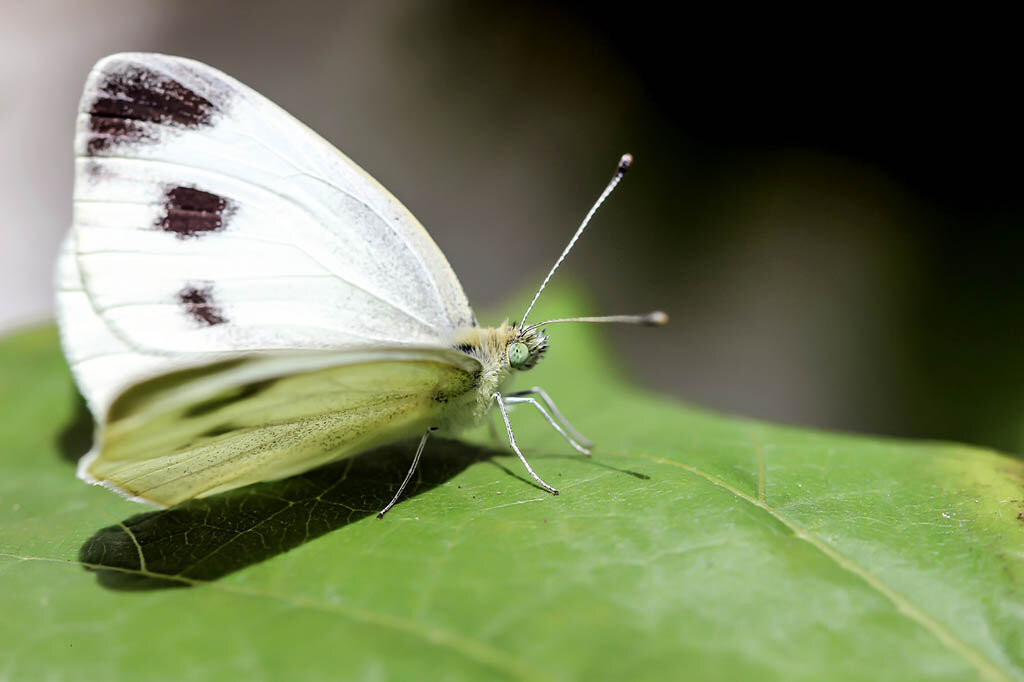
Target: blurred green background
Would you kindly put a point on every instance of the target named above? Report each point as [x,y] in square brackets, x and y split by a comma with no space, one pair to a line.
[827,208]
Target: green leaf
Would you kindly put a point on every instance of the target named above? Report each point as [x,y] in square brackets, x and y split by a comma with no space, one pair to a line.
[692,545]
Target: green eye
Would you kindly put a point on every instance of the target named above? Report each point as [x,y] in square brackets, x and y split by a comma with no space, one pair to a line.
[518,354]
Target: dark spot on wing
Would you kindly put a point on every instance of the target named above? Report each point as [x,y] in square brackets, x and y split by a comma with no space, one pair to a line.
[465,348]
[220,402]
[133,96]
[109,131]
[190,212]
[96,171]
[198,303]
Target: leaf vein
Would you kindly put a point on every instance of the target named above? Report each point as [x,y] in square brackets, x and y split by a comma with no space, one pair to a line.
[987,669]
[470,648]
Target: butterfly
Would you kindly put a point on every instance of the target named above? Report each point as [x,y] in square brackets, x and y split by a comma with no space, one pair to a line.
[240,302]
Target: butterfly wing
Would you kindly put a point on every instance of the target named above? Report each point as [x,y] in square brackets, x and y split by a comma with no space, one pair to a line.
[208,429]
[208,221]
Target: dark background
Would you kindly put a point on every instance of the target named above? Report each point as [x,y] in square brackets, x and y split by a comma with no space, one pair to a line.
[826,205]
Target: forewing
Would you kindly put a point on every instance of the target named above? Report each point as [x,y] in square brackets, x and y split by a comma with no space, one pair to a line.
[207,220]
[212,428]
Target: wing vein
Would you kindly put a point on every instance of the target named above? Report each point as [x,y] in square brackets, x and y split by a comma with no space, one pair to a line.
[297,204]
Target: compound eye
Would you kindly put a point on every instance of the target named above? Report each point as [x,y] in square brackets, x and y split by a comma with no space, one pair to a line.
[518,354]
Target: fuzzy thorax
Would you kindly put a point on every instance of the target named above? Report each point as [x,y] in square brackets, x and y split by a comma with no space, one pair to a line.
[490,346]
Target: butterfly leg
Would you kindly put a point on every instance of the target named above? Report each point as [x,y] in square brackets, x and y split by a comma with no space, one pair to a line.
[513,399]
[512,441]
[408,476]
[546,399]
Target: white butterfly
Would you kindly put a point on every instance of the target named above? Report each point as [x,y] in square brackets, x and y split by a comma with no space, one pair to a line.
[240,302]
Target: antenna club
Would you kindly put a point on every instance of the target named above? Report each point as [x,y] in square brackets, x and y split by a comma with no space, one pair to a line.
[657,318]
[624,163]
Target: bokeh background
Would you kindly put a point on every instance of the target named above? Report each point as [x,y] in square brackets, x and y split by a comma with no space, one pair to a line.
[828,207]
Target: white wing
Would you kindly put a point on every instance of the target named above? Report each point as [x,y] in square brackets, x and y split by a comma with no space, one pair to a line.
[208,221]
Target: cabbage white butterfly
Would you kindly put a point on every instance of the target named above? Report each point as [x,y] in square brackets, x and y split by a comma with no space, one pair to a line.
[239,302]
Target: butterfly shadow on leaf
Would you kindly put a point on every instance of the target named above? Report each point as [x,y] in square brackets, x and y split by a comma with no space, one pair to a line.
[75,438]
[205,539]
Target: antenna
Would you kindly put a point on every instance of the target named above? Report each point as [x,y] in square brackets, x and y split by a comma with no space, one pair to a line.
[623,166]
[655,318]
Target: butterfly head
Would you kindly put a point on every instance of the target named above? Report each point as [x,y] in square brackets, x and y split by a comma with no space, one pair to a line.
[526,348]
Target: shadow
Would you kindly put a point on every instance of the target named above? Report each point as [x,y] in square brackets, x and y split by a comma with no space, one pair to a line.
[522,478]
[206,539]
[75,439]
[598,463]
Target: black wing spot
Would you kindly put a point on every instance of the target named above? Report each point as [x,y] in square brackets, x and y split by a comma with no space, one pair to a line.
[191,212]
[198,303]
[110,131]
[136,95]
[467,348]
[96,171]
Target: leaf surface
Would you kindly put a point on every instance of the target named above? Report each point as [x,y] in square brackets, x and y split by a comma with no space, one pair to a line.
[692,545]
